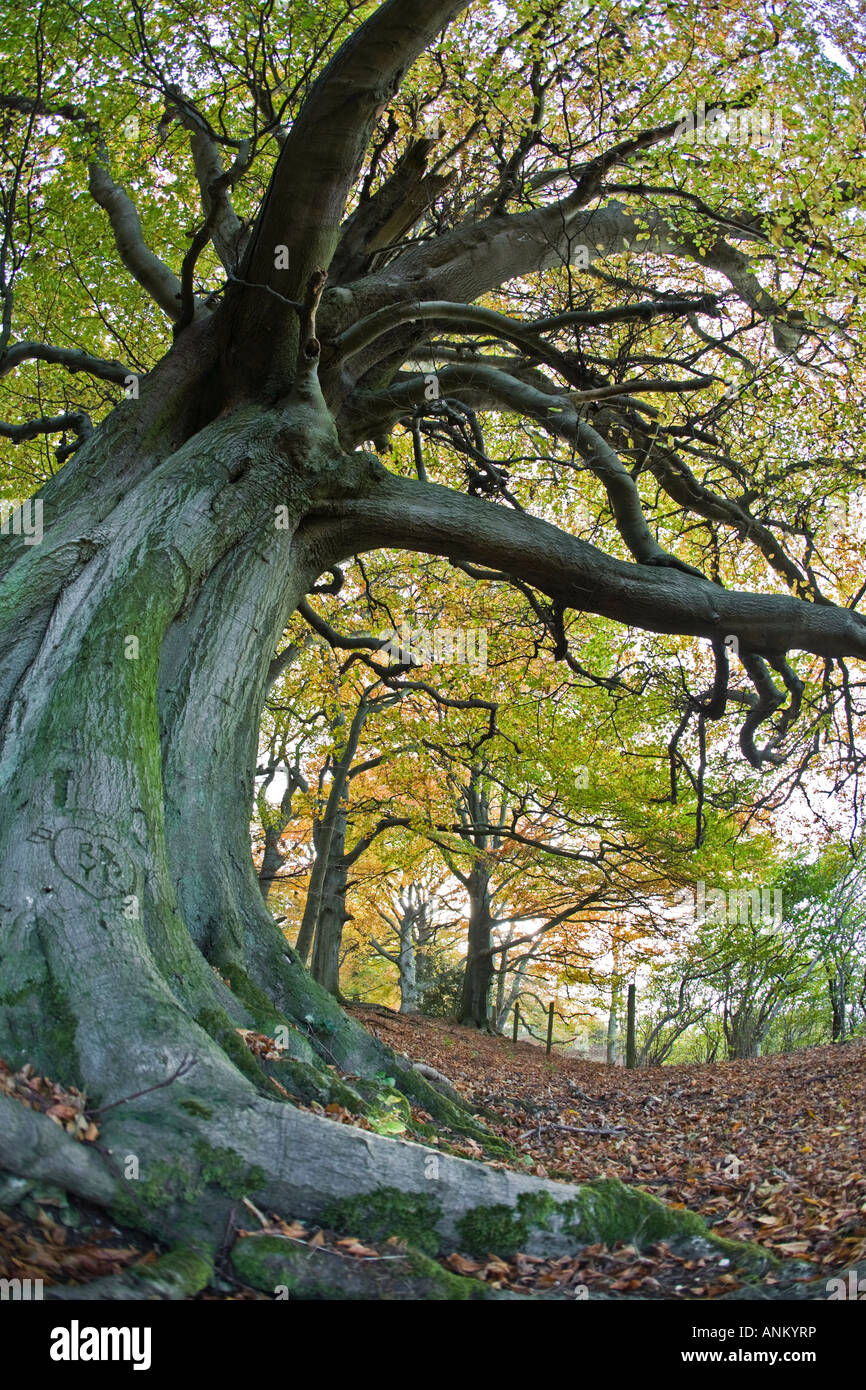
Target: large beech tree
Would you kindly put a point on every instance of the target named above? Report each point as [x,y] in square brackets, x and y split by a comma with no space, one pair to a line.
[358,221]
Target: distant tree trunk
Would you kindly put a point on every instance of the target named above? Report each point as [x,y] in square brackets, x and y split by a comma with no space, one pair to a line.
[838,1002]
[406,964]
[742,1036]
[506,1002]
[274,822]
[612,1023]
[478,977]
[501,972]
[411,926]
[327,830]
[272,860]
[325,965]
[631,1035]
[610,1054]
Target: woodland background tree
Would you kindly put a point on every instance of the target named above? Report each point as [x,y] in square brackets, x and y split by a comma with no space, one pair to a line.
[608,368]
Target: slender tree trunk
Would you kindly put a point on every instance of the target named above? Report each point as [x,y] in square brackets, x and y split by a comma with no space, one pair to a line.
[326,832]
[610,1056]
[407,965]
[512,997]
[478,976]
[631,1033]
[273,858]
[325,964]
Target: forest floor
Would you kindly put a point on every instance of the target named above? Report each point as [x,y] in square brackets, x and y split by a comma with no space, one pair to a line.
[771,1151]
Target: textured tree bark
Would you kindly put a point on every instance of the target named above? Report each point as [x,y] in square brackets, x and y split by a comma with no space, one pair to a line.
[333,915]
[478,978]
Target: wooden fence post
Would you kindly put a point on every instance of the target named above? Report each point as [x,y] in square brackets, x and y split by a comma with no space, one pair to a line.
[549,1028]
[516,1022]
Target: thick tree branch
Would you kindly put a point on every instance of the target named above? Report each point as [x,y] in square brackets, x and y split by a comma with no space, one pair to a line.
[303,208]
[406,514]
[474,259]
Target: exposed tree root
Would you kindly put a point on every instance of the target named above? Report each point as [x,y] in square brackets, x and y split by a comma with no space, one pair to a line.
[177,1171]
[278,1267]
[178,1275]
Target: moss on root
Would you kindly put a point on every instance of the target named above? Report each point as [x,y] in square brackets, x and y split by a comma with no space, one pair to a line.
[411,1217]
[419,1091]
[306,1082]
[605,1211]
[166,1185]
[276,1266]
[179,1274]
[219,1026]
[226,1169]
[260,1008]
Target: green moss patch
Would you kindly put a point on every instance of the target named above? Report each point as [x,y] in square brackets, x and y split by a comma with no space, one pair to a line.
[387,1211]
[605,1211]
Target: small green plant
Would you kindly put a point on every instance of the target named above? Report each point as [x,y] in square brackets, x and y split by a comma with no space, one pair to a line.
[387,1119]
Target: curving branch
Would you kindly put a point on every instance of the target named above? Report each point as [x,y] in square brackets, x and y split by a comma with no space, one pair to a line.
[215,184]
[679,482]
[80,424]
[403,513]
[352,642]
[73,359]
[557,414]
[152,274]
[474,319]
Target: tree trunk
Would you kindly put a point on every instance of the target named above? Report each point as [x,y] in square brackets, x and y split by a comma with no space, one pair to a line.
[327,831]
[325,965]
[631,1034]
[407,962]
[134,940]
[506,1002]
[478,976]
[274,825]
[610,1054]
[838,1002]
